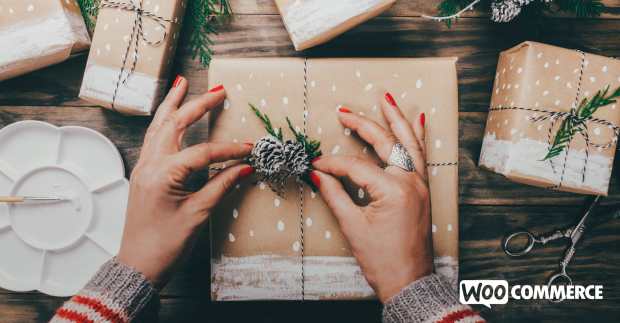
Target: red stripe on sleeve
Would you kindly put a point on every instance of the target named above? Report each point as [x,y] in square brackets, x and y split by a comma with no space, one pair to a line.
[99,307]
[458,315]
[73,316]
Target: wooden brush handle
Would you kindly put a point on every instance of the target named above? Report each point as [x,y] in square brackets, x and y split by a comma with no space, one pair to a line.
[11,199]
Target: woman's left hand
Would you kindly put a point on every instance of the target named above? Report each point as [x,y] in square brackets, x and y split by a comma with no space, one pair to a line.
[162,215]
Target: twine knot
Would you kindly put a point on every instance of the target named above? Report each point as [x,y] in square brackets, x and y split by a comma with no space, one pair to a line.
[137,34]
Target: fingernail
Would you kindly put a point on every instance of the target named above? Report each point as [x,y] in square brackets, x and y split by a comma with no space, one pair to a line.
[422,119]
[245,172]
[315,160]
[316,180]
[217,88]
[249,144]
[390,99]
[177,81]
[344,110]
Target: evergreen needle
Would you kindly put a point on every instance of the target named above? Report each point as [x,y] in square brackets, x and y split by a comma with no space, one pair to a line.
[576,122]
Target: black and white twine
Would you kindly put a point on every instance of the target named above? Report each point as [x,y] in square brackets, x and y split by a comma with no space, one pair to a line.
[137,35]
[555,116]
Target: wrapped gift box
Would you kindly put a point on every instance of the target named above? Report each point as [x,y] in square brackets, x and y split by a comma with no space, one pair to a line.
[313,22]
[130,58]
[36,34]
[536,86]
[258,249]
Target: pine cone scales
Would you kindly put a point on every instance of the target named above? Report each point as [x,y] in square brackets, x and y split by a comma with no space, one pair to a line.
[268,156]
[275,162]
[505,11]
[296,158]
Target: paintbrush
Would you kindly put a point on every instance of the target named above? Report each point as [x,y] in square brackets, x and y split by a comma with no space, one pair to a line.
[22,199]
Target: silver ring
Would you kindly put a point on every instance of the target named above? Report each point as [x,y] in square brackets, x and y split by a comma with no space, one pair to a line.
[400,158]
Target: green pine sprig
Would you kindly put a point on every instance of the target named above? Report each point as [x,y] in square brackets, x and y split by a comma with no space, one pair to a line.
[580,8]
[89,10]
[200,23]
[577,123]
[312,146]
[264,118]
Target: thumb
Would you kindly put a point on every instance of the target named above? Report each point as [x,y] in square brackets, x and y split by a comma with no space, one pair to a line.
[210,195]
[337,199]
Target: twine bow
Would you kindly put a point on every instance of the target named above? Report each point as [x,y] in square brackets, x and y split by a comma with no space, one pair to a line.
[137,34]
[576,125]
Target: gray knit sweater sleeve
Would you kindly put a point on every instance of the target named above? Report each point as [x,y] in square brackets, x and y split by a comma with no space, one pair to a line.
[117,293]
[429,299]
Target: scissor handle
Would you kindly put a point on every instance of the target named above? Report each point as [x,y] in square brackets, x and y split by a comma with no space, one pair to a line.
[560,275]
[531,240]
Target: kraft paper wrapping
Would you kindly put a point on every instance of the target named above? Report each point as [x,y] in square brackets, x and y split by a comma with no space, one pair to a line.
[543,77]
[38,33]
[257,239]
[314,22]
[113,53]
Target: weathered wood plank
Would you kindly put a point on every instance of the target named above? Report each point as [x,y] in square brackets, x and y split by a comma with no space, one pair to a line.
[402,8]
[481,230]
[477,186]
[476,41]
[39,309]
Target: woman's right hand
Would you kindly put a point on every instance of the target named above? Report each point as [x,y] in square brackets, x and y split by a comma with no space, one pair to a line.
[391,236]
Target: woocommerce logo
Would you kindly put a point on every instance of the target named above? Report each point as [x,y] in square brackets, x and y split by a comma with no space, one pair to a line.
[493,292]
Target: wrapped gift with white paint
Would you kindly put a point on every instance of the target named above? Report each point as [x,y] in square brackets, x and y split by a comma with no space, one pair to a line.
[130,59]
[313,22]
[289,246]
[35,34]
[553,120]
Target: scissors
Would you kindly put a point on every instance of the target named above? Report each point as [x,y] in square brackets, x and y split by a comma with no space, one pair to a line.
[574,234]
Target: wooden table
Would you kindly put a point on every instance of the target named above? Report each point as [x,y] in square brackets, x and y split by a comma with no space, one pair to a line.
[490,206]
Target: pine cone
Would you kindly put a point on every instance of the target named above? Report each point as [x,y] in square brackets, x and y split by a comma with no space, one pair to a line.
[268,157]
[296,158]
[505,11]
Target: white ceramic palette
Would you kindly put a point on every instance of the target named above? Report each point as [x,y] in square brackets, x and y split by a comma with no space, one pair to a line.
[55,247]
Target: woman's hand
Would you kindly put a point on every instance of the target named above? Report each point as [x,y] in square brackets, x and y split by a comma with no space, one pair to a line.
[162,215]
[390,237]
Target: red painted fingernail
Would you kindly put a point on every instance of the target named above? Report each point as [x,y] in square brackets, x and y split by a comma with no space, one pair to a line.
[390,99]
[245,172]
[217,88]
[316,180]
[315,160]
[177,81]
[344,110]
[422,119]
[249,144]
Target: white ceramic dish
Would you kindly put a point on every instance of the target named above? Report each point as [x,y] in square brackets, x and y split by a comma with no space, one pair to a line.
[55,247]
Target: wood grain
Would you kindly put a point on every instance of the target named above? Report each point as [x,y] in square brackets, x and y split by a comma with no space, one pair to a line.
[477,186]
[186,297]
[477,43]
[491,206]
[408,8]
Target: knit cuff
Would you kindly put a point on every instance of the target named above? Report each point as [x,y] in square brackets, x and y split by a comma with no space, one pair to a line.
[424,300]
[123,288]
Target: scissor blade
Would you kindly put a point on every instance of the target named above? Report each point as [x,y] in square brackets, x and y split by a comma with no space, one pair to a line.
[580,226]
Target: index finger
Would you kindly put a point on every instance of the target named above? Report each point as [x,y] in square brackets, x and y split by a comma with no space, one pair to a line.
[362,172]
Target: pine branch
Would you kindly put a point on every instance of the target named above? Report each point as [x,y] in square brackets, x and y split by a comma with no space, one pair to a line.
[577,123]
[311,146]
[582,8]
[277,133]
[89,9]
[200,22]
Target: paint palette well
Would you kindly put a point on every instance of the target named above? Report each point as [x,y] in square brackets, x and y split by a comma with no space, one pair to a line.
[55,247]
